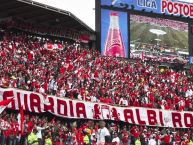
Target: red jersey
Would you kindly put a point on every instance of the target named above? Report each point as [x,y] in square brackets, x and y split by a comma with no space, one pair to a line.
[167,139]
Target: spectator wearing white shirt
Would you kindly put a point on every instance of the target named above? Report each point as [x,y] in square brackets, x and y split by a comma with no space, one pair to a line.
[116,139]
[62,92]
[103,135]
[125,102]
[189,92]
[121,101]
[51,85]
[55,88]
[79,97]
[93,98]
[42,90]
[152,141]
[39,134]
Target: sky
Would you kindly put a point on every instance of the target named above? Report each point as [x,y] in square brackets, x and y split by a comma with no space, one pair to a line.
[83,9]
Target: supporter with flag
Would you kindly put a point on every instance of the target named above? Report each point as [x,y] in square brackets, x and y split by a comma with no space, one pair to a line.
[20,118]
[4,104]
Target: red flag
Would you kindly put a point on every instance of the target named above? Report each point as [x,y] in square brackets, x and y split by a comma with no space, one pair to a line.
[142,56]
[84,38]
[4,104]
[20,118]
[60,47]
[48,46]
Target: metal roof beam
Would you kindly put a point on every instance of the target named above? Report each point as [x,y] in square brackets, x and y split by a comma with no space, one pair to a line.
[7,3]
[42,18]
[11,6]
[30,13]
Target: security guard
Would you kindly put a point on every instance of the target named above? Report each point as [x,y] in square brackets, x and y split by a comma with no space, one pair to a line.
[86,138]
[137,141]
[191,142]
[48,140]
[32,138]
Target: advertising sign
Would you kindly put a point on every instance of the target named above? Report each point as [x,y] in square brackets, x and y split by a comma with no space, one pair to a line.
[170,7]
[114,33]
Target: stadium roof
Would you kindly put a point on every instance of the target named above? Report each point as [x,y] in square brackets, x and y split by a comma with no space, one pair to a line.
[42,14]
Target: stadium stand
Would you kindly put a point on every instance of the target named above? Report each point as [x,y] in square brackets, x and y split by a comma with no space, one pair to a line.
[73,72]
[66,132]
[35,58]
[160,22]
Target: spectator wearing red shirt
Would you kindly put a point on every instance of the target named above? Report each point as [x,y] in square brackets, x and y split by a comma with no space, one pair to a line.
[167,139]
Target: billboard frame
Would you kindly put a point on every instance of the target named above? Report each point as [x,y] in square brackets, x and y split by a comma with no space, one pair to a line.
[142,13]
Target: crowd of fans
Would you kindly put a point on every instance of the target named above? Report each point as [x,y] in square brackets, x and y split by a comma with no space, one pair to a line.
[40,29]
[49,130]
[160,22]
[79,73]
[84,74]
[153,52]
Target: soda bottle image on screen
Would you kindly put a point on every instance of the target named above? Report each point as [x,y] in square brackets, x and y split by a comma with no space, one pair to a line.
[114,42]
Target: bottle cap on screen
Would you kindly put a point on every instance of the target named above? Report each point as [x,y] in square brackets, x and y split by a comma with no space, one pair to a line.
[114,14]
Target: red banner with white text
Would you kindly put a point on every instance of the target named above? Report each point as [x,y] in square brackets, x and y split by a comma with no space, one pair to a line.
[67,108]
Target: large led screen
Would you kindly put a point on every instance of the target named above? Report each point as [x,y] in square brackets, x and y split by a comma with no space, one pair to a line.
[114,33]
[158,39]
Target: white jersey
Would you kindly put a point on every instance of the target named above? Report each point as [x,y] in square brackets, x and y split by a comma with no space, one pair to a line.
[117,140]
[152,142]
[39,133]
[101,133]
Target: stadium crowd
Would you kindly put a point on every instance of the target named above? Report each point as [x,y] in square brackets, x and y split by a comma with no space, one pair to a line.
[49,130]
[84,74]
[79,73]
[39,29]
[160,22]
